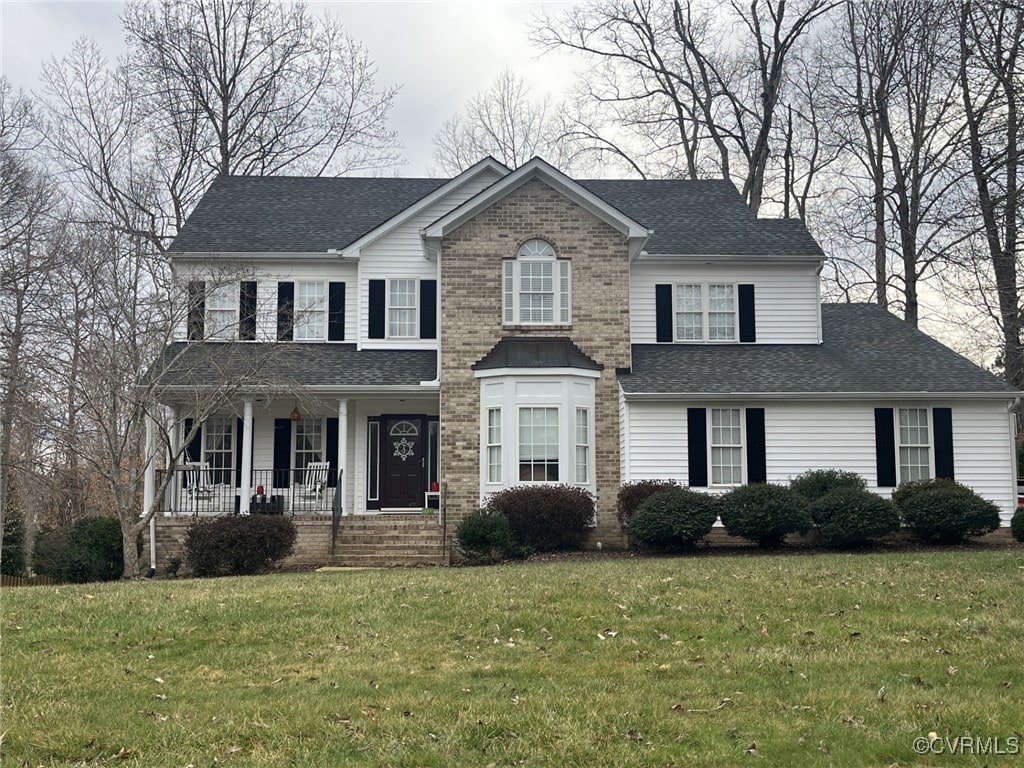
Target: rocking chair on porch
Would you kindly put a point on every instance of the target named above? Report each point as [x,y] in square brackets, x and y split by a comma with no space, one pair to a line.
[200,489]
[314,486]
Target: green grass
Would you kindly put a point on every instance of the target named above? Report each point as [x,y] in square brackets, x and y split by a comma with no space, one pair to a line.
[836,660]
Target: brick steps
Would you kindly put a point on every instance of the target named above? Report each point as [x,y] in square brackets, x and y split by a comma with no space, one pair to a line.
[389,540]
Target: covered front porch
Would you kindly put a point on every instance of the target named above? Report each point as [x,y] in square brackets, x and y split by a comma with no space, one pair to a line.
[334,456]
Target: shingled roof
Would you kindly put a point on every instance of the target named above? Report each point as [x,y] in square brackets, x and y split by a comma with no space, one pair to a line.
[265,365]
[536,352]
[291,214]
[865,350]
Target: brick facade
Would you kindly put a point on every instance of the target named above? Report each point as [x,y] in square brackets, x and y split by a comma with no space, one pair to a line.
[471,324]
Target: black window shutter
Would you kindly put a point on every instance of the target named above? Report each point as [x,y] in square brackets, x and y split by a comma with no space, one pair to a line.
[247,311]
[942,418]
[285,311]
[377,309]
[336,312]
[663,312]
[428,309]
[238,453]
[282,452]
[196,310]
[757,469]
[885,448]
[748,330]
[331,451]
[697,446]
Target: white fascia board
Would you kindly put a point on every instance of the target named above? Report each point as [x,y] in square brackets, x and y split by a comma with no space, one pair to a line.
[429,387]
[213,257]
[537,168]
[1007,397]
[521,372]
[719,258]
[488,164]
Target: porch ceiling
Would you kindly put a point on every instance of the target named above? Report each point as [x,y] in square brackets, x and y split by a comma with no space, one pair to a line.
[267,366]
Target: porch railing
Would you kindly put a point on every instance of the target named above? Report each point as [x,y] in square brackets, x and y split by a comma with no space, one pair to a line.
[203,490]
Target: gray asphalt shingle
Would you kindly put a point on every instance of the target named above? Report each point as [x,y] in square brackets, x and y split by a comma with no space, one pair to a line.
[292,364]
[865,349]
[291,214]
[536,352]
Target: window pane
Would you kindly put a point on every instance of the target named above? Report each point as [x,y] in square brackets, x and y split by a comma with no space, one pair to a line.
[310,311]
[726,446]
[582,445]
[689,314]
[536,291]
[222,312]
[309,442]
[915,445]
[536,249]
[402,314]
[538,444]
[372,459]
[219,449]
[494,445]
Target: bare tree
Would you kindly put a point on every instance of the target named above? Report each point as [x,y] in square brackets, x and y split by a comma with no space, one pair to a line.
[505,122]
[210,87]
[693,93]
[991,79]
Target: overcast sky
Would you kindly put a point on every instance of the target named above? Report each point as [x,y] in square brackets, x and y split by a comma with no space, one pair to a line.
[440,53]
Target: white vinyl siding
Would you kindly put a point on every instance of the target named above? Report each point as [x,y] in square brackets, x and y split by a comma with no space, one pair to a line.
[826,435]
[399,254]
[786,297]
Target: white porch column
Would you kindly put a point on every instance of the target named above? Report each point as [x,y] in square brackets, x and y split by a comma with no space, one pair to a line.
[342,449]
[246,484]
[172,495]
[149,478]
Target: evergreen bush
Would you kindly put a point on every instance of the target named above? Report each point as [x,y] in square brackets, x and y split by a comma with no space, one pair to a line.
[674,519]
[485,537]
[815,483]
[944,511]
[632,495]
[852,516]
[545,518]
[238,545]
[764,513]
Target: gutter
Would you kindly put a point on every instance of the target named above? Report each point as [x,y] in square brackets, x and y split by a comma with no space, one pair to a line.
[1010,397]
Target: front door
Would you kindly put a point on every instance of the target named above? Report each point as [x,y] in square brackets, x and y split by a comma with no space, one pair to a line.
[404,462]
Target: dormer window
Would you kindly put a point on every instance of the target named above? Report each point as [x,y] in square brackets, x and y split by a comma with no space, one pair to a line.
[536,286]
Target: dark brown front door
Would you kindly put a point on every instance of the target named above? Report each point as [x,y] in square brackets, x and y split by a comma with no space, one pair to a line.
[403,460]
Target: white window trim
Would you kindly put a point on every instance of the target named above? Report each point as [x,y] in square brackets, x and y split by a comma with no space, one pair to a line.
[899,444]
[323,311]
[588,445]
[706,312]
[415,308]
[498,446]
[295,440]
[712,446]
[232,444]
[561,303]
[229,330]
[372,460]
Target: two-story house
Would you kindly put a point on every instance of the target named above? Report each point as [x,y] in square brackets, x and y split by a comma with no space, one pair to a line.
[399,344]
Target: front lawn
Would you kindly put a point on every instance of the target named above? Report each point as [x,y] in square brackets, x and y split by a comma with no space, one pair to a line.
[785,660]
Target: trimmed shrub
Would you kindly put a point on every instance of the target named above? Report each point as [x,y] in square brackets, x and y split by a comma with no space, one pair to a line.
[545,518]
[816,483]
[632,495]
[764,513]
[89,549]
[1017,524]
[485,537]
[850,516]
[238,545]
[674,519]
[945,511]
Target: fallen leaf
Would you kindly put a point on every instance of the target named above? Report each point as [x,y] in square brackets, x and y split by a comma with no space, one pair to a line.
[232,749]
[158,680]
[122,753]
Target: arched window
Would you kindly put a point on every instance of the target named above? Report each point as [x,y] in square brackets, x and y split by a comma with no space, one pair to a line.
[536,286]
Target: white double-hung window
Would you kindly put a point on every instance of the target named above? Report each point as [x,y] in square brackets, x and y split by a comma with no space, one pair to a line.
[222,312]
[536,286]
[402,310]
[914,444]
[706,312]
[726,446]
[310,311]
